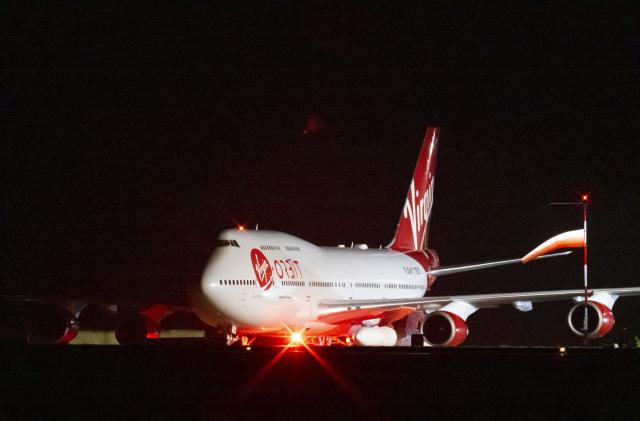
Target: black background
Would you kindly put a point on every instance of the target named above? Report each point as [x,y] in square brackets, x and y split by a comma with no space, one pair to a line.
[135,133]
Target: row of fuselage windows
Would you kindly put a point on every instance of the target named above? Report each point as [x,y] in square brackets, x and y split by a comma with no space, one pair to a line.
[367,285]
[270,248]
[277,248]
[327,284]
[234,243]
[403,286]
[237,282]
[292,283]
[386,285]
[323,284]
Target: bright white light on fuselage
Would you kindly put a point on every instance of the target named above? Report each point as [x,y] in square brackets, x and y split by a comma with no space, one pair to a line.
[296,338]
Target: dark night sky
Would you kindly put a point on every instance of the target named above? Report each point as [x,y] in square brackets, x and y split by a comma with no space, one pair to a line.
[134,135]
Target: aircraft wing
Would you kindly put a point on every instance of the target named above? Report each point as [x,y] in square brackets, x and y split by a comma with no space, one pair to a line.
[343,311]
[101,302]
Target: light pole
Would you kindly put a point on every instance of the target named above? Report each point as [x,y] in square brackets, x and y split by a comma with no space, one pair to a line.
[585,322]
[584,202]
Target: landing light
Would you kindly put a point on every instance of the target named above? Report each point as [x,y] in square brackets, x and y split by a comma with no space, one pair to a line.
[240,227]
[296,338]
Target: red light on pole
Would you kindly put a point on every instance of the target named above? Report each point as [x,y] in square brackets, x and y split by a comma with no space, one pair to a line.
[585,198]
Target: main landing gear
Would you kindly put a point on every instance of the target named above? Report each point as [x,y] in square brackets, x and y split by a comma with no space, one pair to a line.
[232,337]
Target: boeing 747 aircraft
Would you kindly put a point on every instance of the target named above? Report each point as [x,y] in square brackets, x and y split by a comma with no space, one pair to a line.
[268,283]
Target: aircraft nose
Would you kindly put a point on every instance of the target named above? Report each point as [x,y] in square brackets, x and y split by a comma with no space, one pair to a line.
[205,299]
[210,285]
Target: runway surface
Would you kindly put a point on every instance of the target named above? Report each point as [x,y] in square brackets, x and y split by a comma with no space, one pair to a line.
[180,381]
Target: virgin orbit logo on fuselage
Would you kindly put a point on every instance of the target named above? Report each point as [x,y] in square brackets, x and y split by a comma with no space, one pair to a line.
[262,268]
[417,209]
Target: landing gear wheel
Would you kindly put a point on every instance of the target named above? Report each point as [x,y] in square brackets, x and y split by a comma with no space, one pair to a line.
[231,339]
[232,335]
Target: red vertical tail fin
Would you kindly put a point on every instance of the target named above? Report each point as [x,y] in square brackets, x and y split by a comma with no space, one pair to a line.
[411,233]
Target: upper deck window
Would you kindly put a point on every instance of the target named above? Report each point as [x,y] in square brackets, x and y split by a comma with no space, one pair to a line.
[269,248]
[227,243]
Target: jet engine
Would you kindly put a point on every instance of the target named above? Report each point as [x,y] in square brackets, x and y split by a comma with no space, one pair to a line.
[133,329]
[51,325]
[591,318]
[442,328]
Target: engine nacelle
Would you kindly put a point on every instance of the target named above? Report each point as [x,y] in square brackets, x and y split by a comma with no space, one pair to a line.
[51,325]
[599,319]
[134,329]
[376,336]
[442,328]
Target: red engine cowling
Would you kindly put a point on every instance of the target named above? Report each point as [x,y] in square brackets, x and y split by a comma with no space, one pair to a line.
[134,329]
[442,328]
[51,325]
[599,319]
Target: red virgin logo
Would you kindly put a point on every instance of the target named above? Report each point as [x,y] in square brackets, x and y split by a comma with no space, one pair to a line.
[417,209]
[262,269]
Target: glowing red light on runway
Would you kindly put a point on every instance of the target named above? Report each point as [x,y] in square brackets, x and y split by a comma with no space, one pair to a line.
[297,343]
[296,338]
[336,376]
[264,371]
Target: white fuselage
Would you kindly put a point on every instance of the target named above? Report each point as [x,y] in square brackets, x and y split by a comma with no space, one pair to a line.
[280,285]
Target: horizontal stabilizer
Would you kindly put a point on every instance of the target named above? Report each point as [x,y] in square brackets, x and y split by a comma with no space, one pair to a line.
[450,270]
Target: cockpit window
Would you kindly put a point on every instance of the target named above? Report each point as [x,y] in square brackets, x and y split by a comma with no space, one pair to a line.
[227,243]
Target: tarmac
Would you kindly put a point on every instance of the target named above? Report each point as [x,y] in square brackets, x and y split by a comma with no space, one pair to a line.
[184,380]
